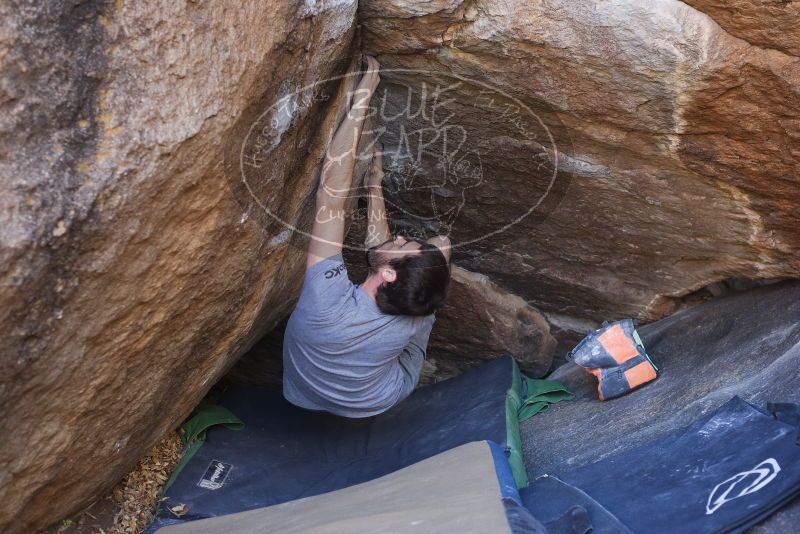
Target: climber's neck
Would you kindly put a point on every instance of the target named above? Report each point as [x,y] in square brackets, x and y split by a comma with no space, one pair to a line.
[371,285]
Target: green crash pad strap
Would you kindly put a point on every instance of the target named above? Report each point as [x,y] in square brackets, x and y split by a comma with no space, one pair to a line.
[527,397]
[539,394]
[193,432]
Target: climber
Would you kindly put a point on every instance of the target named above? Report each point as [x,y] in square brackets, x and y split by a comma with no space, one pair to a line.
[357,350]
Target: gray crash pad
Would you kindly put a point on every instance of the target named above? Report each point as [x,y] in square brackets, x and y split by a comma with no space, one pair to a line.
[746,344]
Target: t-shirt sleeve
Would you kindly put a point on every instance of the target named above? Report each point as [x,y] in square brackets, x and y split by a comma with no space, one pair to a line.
[326,287]
[413,356]
[419,341]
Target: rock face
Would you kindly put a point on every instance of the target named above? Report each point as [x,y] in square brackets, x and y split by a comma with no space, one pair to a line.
[595,159]
[675,134]
[761,23]
[480,321]
[132,277]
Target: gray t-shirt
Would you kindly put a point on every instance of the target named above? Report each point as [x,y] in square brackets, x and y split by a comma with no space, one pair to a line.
[341,354]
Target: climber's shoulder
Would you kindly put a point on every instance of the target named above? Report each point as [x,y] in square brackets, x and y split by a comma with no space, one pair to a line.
[326,287]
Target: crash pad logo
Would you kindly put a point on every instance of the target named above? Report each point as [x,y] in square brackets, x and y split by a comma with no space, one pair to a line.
[742,484]
[216,474]
[461,158]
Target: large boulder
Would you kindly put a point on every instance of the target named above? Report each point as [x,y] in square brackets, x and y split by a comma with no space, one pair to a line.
[674,140]
[592,160]
[133,269]
[762,23]
[479,322]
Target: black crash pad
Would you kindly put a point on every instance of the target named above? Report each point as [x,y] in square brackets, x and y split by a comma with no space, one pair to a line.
[746,345]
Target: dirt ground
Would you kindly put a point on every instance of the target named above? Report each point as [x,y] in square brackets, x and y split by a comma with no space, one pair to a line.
[129,507]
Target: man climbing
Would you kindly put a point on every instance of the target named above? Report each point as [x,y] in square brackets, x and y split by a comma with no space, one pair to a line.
[357,350]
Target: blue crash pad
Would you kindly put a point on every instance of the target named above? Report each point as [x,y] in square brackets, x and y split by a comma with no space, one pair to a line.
[286,453]
[724,473]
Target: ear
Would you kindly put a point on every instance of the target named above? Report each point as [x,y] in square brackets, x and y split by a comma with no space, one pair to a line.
[388,275]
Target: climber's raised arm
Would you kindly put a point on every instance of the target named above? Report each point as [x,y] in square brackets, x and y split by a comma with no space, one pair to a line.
[336,181]
[377,223]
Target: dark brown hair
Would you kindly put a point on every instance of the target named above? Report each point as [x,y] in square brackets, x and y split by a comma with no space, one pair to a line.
[421,284]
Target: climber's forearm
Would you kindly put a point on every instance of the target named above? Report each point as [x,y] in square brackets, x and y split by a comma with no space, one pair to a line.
[335,187]
[336,181]
[377,221]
